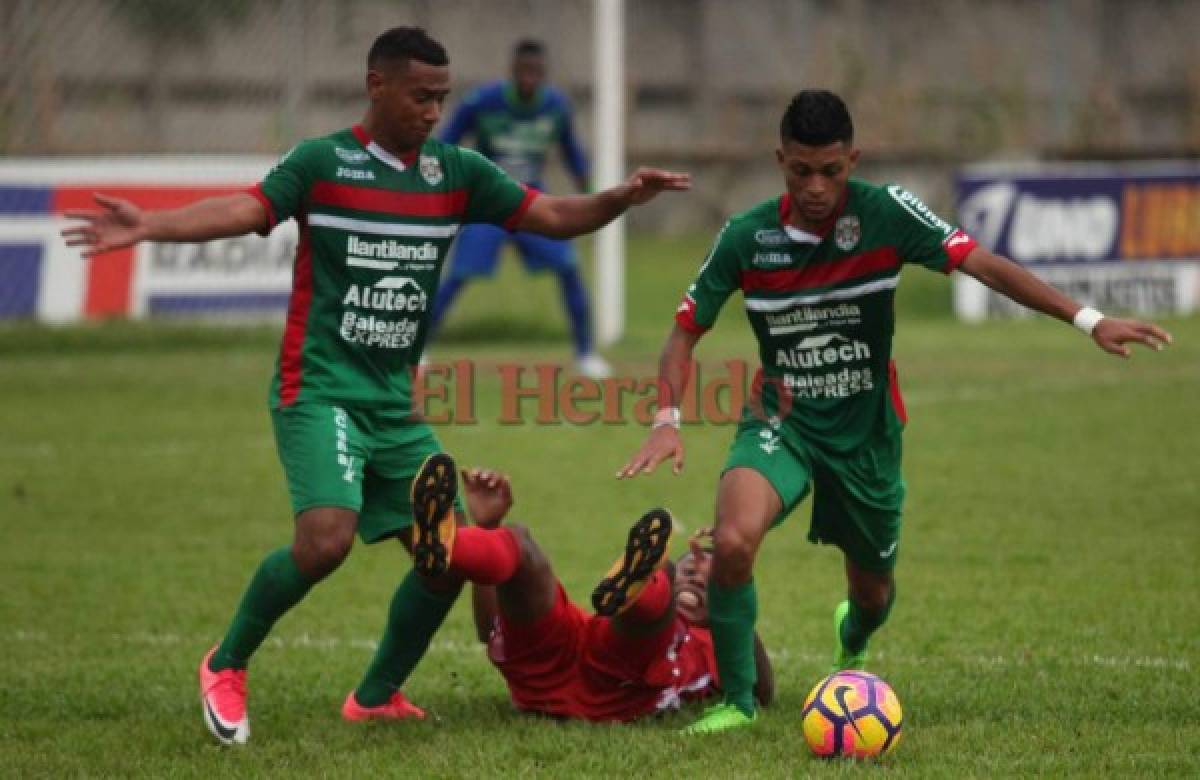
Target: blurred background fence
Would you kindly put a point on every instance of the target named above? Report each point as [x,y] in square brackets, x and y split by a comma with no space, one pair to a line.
[931,84]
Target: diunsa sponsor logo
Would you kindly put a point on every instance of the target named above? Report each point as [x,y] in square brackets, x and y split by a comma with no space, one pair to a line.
[352,156]
[771,237]
[923,214]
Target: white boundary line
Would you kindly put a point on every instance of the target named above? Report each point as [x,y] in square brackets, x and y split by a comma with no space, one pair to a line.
[782,656]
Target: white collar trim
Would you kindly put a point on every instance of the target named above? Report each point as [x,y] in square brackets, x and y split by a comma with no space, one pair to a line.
[801,236]
[386,156]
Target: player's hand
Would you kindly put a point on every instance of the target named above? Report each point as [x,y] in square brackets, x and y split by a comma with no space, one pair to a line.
[662,443]
[489,496]
[645,183]
[1112,334]
[116,224]
[700,543]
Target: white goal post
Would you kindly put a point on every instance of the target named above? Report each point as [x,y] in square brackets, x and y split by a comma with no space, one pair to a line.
[609,126]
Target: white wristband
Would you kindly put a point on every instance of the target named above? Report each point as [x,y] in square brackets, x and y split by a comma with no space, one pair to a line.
[668,416]
[1086,319]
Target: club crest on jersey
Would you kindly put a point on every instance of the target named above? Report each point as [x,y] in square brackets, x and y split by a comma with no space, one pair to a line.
[847,232]
[431,170]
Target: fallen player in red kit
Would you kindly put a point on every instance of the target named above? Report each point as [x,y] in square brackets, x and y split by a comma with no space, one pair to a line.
[646,648]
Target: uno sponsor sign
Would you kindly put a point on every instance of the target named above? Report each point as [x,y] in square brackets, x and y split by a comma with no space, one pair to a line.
[40,277]
[1117,239]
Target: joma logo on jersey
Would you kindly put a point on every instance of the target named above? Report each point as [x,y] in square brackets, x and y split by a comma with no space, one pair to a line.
[390,249]
[821,351]
[771,258]
[355,173]
[392,293]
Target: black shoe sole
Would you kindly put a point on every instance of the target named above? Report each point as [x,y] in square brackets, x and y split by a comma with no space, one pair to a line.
[648,541]
[433,492]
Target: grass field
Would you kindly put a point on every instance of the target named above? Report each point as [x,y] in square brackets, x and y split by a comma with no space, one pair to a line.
[1049,613]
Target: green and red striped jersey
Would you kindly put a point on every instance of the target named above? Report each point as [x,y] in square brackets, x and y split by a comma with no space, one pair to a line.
[822,306]
[374,232]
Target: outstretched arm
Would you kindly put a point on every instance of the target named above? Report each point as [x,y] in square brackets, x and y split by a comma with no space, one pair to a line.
[118,223]
[1010,279]
[567,216]
[489,497]
[664,440]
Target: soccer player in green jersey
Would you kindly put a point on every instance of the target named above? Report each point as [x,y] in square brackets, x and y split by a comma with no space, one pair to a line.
[516,123]
[377,206]
[818,268]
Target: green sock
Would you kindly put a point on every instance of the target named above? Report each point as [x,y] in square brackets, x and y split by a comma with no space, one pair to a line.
[414,617]
[858,625]
[277,586]
[731,615]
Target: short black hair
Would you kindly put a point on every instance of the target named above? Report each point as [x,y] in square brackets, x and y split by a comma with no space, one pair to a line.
[816,117]
[401,44]
[529,46]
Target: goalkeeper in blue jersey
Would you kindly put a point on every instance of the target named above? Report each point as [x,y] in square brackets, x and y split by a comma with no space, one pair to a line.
[514,123]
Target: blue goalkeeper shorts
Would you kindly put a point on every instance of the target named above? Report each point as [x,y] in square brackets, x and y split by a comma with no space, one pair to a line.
[477,250]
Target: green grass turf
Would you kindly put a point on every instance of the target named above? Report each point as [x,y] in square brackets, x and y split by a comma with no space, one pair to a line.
[1049,608]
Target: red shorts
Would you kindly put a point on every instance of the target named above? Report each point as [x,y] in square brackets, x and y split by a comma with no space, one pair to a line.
[571,663]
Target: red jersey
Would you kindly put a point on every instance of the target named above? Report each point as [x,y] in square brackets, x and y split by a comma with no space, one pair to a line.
[573,664]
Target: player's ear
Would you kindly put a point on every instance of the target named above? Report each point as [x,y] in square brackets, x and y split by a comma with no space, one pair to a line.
[779,156]
[853,157]
[374,82]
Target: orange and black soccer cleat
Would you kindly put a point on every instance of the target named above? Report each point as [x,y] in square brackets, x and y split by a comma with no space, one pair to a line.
[644,553]
[434,522]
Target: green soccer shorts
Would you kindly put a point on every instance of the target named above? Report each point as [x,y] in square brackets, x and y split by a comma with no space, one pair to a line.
[355,457]
[857,498]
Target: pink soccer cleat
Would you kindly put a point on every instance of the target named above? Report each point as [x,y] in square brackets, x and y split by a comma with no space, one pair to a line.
[397,708]
[224,696]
